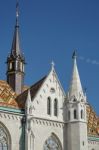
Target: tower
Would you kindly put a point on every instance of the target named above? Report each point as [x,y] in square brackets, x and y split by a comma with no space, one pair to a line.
[76,112]
[16,60]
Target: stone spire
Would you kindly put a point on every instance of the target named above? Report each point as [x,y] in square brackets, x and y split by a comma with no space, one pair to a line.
[75,84]
[15,50]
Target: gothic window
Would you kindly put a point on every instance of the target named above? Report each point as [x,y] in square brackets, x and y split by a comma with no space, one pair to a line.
[13,65]
[18,65]
[75,100]
[69,115]
[55,107]
[4,139]
[49,106]
[75,114]
[21,66]
[10,65]
[52,143]
[82,115]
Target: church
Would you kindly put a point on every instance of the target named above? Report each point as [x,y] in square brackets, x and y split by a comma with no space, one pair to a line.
[44,116]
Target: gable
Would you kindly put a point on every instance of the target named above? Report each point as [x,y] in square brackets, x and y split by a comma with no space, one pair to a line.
[52,88]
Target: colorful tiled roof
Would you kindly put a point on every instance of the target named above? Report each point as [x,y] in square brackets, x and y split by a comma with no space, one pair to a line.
[93,122]
[7,95]
[8,98]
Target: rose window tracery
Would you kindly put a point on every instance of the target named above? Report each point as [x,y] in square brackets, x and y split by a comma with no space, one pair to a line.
[52,143]
[3,139]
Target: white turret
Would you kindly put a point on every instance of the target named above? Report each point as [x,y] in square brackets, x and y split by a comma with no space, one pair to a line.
[28,130]
[76,112]
[28,104]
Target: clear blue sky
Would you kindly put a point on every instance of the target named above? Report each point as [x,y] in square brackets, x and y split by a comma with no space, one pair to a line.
[51,30]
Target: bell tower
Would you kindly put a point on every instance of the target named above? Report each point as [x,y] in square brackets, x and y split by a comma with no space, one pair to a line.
[15,60]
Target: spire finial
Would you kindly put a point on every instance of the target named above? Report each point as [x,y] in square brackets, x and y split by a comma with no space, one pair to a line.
[52,64]
[17,11]
[74,56]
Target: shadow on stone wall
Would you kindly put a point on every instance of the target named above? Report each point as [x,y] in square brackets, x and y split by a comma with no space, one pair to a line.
[22,137]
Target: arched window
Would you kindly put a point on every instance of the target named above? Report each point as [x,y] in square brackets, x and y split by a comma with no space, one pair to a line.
[75,114]
[4,139]
[52,143]
[49,106]
[55,107]
[69,115]
[82,114]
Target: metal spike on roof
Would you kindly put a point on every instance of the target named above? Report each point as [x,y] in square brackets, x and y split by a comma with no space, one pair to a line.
[15,50]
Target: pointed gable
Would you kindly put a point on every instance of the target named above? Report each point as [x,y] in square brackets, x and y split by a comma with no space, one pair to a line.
[50,89]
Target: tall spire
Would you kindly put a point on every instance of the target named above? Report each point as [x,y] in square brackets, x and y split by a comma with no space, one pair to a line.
[75,85]
[15,50]
[16,60]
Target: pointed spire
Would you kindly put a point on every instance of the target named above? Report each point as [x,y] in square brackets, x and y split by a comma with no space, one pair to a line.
[15,50]
[28,102]
[75,85]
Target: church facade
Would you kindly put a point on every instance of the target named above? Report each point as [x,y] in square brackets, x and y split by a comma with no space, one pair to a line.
[44,116]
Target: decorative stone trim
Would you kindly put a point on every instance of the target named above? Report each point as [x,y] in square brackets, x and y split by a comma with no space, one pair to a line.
[10,116]
[45,122]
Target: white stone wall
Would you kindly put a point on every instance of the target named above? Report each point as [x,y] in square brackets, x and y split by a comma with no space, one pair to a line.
[12,123]
[42,130]
[93,145]
[77,136]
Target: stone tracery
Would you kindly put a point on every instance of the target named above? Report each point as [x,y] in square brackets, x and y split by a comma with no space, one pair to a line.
[3,139]
[52,143]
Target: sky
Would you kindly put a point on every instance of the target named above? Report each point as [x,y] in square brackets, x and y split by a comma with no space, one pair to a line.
[52,30]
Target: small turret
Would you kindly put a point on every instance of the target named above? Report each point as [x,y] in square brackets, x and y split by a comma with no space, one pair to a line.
[28,104]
